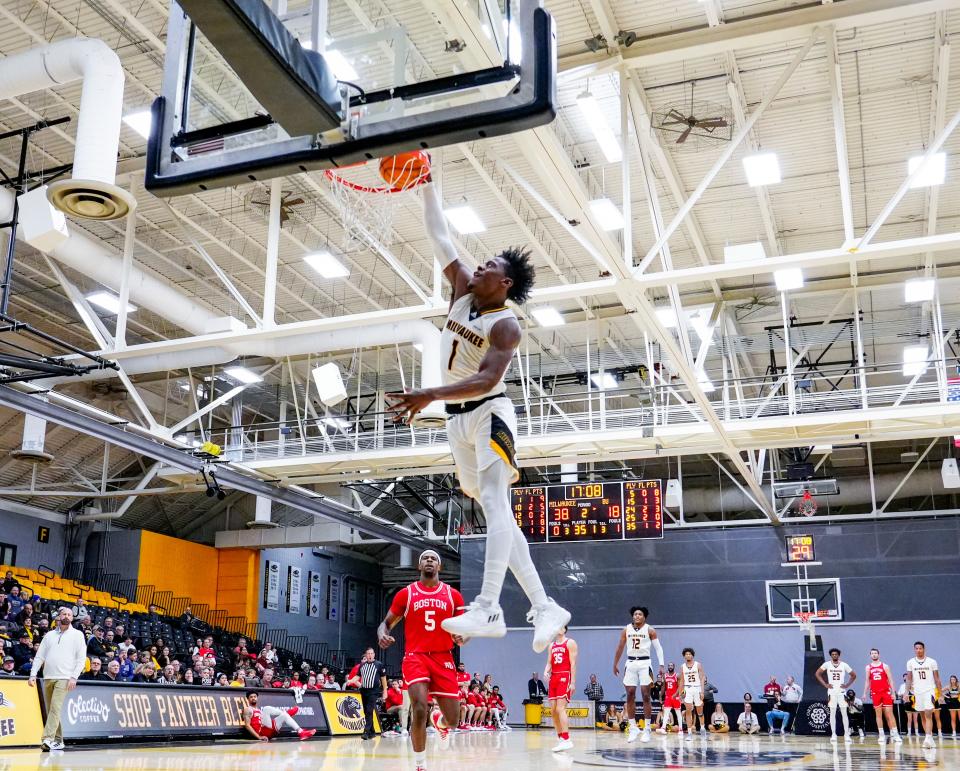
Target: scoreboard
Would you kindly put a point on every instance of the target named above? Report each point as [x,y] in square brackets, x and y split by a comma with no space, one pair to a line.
[800,549]
[590,511]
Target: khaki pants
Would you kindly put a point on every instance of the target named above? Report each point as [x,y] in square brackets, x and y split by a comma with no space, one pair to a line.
[54,692]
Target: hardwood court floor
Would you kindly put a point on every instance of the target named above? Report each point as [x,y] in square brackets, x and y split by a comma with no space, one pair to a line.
[516,751]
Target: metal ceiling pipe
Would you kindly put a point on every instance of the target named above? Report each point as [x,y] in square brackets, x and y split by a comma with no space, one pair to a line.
[98,261]
[710,500]
[92,192]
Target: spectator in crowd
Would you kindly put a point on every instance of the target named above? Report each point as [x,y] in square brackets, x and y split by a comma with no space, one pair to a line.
[748,697]
[251,680]
[719,722]
[777,712]
[352,683]
[147,674]
[152,613]
[222,681]
[206,676]
[30,631]
[186,620]
[167,676]
[393,703]
[295,680]
[23,650]
[126,644]
[80,611]
[4,606]
[238,680]
[656,689]
[331,683]
[127,664]
[709,697]
[855,711]
[62,655]
[312,683]
[266,678]
[9,582]
[14,603]
[748,722]
[284,683]
[951,700]
[109,641]
[25,612]
[267,657]
[593,691]
[535,688]
[772,690]
[112,672]
[96,669]
[188,677]
[207,648]
[613,720]
[790,698]
[95,644]
[108,624]
[165,659]
[9,667]
[154,653]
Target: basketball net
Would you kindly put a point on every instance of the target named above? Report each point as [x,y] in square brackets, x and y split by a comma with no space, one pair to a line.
[367,205]
[805,619]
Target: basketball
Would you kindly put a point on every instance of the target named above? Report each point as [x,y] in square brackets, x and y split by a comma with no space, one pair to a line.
[405,169]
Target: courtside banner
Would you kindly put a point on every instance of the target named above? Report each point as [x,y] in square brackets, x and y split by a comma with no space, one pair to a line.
[95,710]
[345,713]
[20,720]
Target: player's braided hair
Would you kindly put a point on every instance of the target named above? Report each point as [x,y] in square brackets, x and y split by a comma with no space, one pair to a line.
[521,271]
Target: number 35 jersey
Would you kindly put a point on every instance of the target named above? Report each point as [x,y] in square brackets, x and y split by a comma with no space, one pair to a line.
[465,340]
[423,610]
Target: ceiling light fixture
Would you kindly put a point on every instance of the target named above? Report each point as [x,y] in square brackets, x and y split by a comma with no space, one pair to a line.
[914,360]
[762,169]
[465,220]
[597,121]
[604,381]
[608,216]
[109,302]
[751,252]
[919,290]
[242,374]
[788,278]
[547,316]
[934,171]
[140,121]
[667,317]
[327,265]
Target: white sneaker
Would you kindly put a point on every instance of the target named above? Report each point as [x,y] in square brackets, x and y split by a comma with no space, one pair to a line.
[547,622]
[563,746]
[861,732]
[633,734]
[56,744]
[833,738]
[897,739]
[703,731]
[882,739]
[928,742]
[404,732]
[645,736]
[847,739]
[770,732]
[478,621]
[783,731]
[45,745]
[661,730]
[689,736]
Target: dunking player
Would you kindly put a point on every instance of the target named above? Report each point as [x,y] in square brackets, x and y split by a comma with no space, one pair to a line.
[561,673]
[478,342]
[264,723]
[923,679]
[692,690]
[638,637]
[833,676]
[880,683]
[427,660]
[671,700]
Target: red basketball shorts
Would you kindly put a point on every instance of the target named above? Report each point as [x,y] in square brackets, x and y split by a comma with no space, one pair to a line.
[882,699]
[434,669]
[672,701]
[559,685]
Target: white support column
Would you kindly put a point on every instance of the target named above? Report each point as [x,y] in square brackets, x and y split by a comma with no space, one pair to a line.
[129,241]
[939,105]
[788,355]
[319,11]
[840,134]
[873,486]
[907,476]
[625,170]
[273,252]
[731,148]
[861,369]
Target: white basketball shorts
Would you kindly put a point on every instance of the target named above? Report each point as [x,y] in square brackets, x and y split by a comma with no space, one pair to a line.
[637,673]
[693,695]
[481,438]
[924,701]
[835,699]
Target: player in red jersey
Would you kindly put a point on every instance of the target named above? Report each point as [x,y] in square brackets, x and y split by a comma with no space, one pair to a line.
[880,683]
[561,673]
[428,667]
[671,700]
[264,723]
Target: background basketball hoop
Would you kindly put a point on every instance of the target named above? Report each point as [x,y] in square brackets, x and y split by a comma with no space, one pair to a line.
[807,506]
[368,194]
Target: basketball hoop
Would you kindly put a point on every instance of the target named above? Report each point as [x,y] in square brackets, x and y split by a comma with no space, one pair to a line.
[807,506]
[805,619]
[367,200]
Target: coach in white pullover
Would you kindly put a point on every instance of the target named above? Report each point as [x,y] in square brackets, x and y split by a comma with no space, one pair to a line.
[62,654]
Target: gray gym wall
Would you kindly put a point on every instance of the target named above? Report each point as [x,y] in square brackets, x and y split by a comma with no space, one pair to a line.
[21,531]
[710,582]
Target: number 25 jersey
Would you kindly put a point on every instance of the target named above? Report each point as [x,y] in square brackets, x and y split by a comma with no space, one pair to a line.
[423,610]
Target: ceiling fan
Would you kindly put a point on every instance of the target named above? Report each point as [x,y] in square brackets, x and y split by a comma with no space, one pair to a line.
[699,120]
[287,205]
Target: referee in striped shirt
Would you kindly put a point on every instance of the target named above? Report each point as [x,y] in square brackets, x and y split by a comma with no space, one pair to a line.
[373,683]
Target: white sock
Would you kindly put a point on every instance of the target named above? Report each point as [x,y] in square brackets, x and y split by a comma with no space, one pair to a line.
[420,758]
[522,567]
[632,722]
[494,484]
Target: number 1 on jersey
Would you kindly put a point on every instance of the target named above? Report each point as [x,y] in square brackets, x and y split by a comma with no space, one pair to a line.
[453,354]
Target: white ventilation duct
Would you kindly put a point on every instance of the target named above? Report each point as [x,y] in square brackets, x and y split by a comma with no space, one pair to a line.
[34,436]
[91,193]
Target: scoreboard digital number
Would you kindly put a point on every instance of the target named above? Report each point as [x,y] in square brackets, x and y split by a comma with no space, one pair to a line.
[800,549]
[590,511]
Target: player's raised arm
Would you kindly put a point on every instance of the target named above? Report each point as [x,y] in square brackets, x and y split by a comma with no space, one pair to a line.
[444,249]
[619,653]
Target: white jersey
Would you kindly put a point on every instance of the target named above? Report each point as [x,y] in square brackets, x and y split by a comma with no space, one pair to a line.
[922,671]
[638,642]
[691,675]
[465,340]
[836,674]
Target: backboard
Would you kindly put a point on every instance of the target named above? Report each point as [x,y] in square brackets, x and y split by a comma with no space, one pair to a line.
[248,94]
[788,597]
